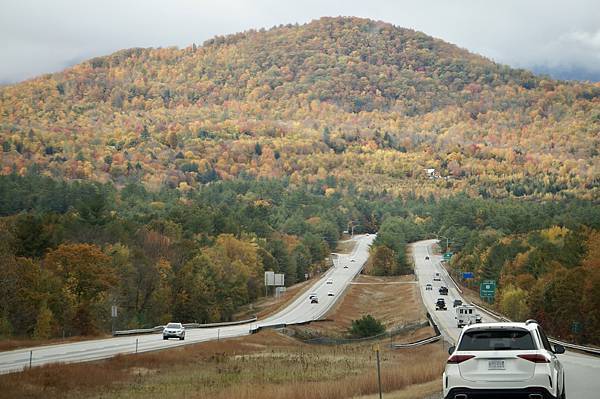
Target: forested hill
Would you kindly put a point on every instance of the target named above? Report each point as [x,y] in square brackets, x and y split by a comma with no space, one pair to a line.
[355,99]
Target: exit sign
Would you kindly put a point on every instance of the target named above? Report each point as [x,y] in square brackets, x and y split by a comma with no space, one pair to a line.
[487,289]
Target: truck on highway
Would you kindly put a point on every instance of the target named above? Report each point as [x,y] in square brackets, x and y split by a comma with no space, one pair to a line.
[466,315]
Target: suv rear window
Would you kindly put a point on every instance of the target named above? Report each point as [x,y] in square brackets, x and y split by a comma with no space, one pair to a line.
[501,340]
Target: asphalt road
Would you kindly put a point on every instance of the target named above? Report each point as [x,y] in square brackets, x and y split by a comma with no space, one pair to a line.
[301,310]
[582,371]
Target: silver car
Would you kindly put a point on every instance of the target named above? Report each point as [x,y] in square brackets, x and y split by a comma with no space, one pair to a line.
[174,330]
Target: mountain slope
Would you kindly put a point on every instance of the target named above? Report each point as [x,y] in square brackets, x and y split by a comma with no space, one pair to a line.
[349,98]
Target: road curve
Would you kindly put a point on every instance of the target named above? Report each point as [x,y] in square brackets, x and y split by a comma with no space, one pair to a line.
[300,310]
[581,371]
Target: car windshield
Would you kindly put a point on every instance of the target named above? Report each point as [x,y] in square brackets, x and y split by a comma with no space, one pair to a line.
[488,340]
[173,325]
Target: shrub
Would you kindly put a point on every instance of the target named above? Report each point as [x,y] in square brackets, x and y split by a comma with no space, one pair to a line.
[367,326]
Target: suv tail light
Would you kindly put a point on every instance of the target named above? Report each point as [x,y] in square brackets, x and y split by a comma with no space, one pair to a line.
[536,358]
[456,359]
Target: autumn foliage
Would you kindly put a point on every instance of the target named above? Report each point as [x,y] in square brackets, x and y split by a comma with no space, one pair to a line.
[361,100]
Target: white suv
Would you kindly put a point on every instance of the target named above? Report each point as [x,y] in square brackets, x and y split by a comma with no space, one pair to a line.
[495,360]
[174,330]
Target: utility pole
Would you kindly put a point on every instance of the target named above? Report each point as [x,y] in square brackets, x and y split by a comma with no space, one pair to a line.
[376,349]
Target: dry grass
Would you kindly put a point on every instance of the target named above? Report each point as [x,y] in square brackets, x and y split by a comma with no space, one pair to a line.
[392,303]
[266,365]
[345,246]
[428,390]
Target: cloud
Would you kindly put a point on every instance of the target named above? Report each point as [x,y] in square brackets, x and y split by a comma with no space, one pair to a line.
[38,36]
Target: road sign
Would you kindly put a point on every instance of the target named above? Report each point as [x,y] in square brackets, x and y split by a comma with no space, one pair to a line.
[487,289]
[447,255]
[576,327]
[276,279]
[468,275]
[113,311]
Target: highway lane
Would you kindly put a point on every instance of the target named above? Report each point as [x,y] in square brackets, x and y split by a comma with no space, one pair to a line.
[581,371]
[300,310]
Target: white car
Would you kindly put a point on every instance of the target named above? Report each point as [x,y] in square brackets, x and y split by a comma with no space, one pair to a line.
[504,360]
[330,293]
[329,281]
[174,330]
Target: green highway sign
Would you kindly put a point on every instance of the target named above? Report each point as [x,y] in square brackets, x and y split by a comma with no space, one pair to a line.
[447,255]
[576,327]
[487,289]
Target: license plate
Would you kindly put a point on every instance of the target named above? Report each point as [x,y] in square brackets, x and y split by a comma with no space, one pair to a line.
[496,364]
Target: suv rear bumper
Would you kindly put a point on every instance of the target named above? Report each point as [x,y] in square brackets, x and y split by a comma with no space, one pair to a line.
[173,335]
[498,393]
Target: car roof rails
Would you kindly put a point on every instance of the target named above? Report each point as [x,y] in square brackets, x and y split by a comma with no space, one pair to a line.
[531,321]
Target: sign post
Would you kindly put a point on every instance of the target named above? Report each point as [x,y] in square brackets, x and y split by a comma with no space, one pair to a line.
[113,314]
[576,327]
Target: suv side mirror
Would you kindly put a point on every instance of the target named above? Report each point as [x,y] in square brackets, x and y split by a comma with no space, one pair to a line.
[451,350]
[558,349]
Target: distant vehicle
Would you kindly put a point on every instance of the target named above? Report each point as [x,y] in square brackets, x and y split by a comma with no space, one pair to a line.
[443,290]
[427,258]
[428,287]
[329,281]
[457,302]
[314,298]
[440,304]
[174,330]
[437,277]
[504,360]
[345,266]
[330,293]
[465,315]
[478,318]
[352,260]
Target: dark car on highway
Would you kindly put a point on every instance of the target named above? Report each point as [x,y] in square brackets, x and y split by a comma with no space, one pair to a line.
[440,304]
[443,290]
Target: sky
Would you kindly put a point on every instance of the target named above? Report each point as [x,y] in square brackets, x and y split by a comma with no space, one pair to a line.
[560,38]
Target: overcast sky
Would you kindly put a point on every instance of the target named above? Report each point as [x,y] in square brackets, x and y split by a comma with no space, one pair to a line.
[40,36]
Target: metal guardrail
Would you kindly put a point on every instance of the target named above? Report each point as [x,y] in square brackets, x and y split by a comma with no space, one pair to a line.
[424,341]
[417,343]
[587,349]
[186,325]
[138,331]
[271,326]
[451,278]
[223,324]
